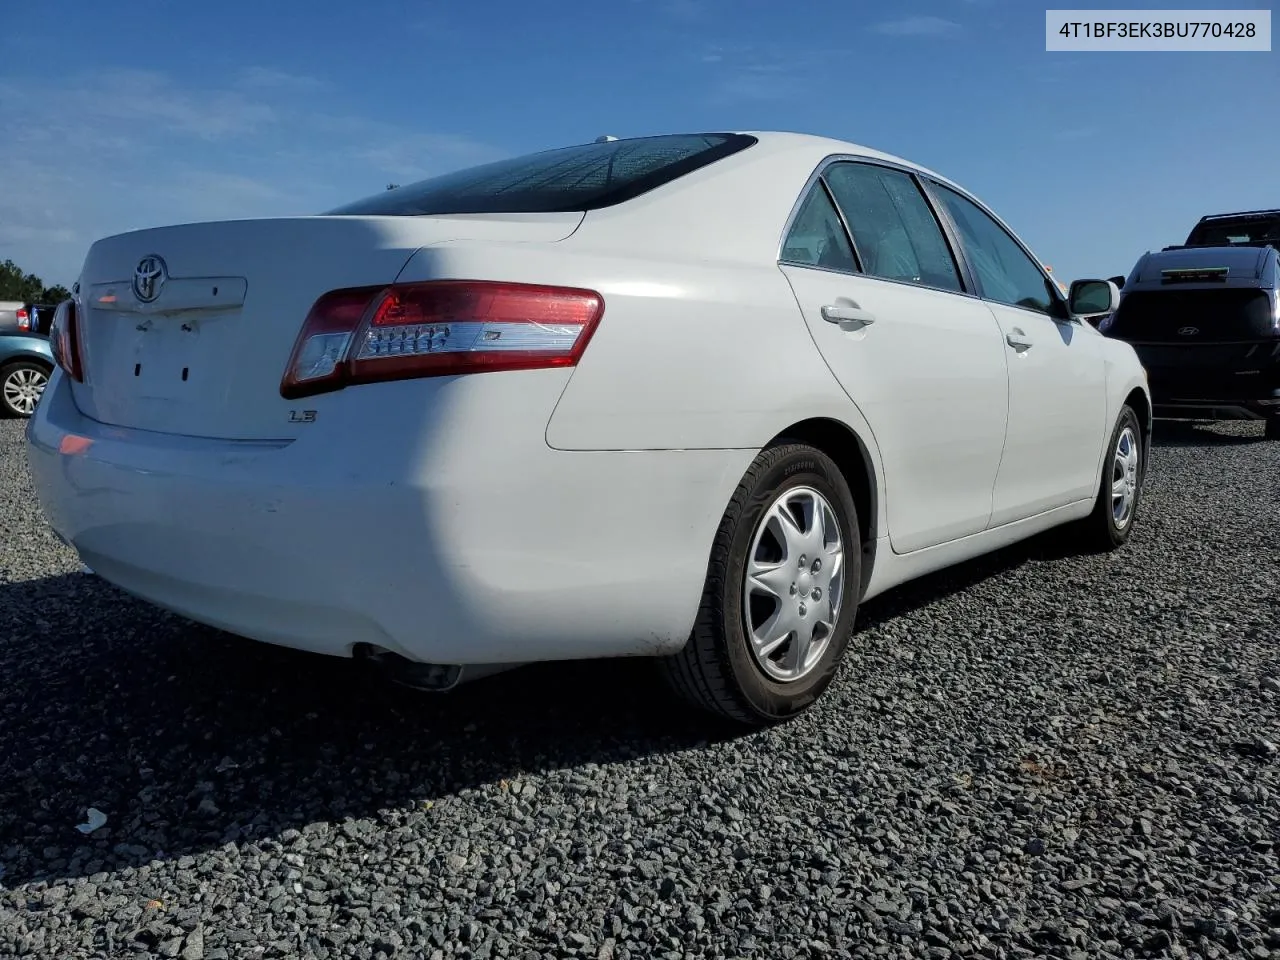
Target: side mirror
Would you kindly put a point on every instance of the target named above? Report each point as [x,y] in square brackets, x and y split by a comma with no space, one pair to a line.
[1118,281]
[1093,298]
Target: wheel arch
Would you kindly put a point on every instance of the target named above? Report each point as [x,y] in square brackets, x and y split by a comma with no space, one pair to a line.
[24,356]
[1141,404]
[851,454]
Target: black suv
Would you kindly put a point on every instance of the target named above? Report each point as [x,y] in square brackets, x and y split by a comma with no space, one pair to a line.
[1204,318]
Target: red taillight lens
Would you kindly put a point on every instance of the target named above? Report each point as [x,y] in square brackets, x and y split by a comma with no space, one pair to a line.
[24,319]
[436,329]
[64,339]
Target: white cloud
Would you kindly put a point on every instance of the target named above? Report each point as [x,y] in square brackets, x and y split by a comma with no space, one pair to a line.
[115,150]
[750,72]
[267,78]
[917,27]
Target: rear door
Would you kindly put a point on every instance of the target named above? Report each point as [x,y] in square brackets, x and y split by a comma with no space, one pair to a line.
[923,360]
[1057,380]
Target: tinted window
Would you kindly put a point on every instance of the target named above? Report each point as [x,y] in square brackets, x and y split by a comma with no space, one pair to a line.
[1238,314]
[894,229]
[569,179]
[1251,230]
[1005,272]
[817,238]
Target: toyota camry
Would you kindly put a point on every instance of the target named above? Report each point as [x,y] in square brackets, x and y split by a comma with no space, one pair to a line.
[691,397]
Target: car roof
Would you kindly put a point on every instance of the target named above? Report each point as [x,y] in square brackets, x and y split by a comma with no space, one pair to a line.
[773,171]
[784,141]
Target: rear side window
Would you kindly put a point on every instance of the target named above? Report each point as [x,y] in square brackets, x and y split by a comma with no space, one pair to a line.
[893,227]
[817,238]
[569,179]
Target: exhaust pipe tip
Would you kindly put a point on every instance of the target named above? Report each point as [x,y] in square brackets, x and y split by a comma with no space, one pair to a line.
[425,677]
[431,677]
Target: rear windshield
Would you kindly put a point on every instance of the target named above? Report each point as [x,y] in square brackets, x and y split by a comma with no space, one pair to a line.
[1245,231]
[568,179]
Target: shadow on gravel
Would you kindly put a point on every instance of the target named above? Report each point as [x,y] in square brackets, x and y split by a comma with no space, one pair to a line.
[187,738]
[1045,547]
[1186,433]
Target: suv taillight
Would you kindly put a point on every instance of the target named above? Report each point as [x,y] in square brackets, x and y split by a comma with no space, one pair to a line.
[438,328]
[24,319]
[64,339]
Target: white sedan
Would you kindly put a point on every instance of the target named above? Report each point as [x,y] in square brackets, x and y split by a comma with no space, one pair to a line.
[693,397]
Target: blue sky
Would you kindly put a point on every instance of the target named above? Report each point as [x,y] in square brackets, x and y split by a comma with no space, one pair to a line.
[135,112]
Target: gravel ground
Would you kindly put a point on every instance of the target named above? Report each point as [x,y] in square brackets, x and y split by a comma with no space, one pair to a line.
[1029,755]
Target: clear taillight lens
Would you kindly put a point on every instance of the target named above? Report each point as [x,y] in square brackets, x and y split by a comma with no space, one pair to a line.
[440,328]
[64,340]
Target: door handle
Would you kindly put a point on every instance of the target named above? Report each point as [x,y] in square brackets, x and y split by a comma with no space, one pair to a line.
[849,314]
[1019,340]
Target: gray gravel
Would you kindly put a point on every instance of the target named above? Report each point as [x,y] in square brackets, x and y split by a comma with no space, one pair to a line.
[1029,755]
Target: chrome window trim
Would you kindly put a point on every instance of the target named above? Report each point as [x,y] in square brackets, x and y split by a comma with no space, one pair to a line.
[950,233]
[816,177]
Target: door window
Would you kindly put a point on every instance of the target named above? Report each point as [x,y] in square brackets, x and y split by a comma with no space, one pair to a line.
[1005,272]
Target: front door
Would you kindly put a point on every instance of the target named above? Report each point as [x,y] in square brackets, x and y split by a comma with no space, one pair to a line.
[1057,388]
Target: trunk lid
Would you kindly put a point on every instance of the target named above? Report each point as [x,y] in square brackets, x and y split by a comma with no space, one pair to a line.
[187,329]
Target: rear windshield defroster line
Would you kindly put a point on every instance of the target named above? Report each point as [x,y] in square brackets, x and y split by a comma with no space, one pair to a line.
[568,179]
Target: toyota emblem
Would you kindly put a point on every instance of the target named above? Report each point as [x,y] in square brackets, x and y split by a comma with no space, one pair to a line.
[149,277]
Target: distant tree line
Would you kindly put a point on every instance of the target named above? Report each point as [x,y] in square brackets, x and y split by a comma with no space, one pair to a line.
[27,287]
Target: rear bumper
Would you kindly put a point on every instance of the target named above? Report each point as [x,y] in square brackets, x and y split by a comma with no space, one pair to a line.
[1246,387]
[1214,410]
[427,518]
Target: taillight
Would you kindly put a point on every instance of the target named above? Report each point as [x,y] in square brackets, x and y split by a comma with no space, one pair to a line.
[440,328]
[64,339]
[24,319]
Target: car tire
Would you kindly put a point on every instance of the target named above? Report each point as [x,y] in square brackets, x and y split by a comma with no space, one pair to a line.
[1273,428]
[719,669]
[1108,527]
[16,382]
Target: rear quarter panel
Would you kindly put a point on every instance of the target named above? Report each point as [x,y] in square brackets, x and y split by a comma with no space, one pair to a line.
[687,355]
[701,345]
